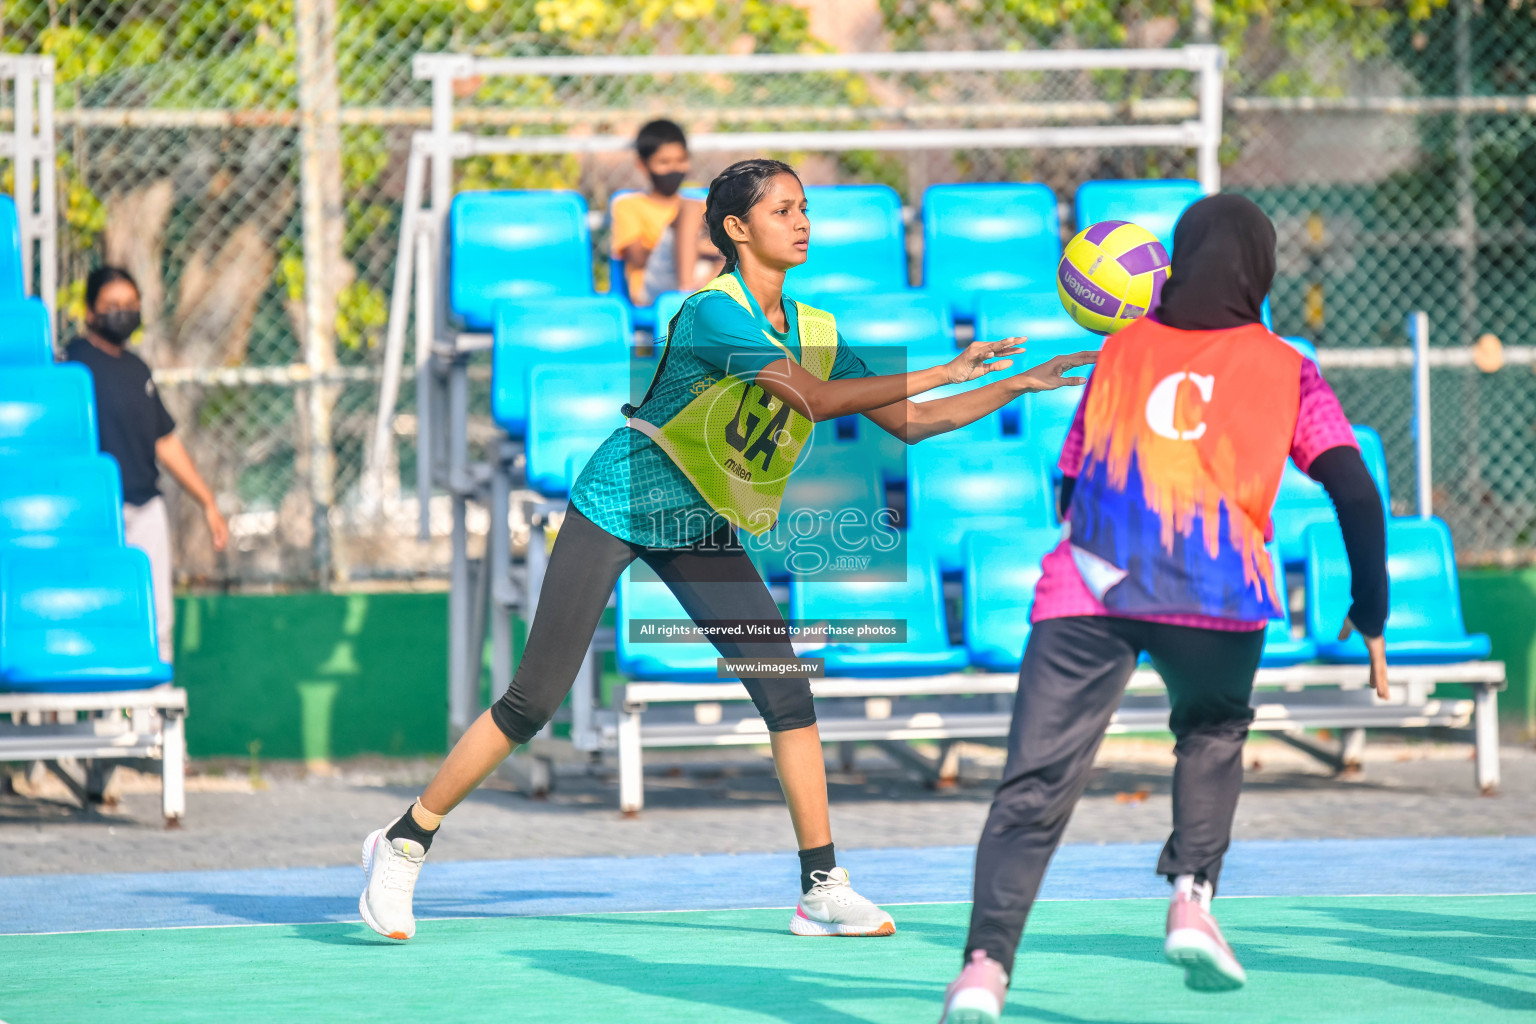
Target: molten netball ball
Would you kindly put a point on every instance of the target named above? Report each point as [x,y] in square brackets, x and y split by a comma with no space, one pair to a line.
[1111,273]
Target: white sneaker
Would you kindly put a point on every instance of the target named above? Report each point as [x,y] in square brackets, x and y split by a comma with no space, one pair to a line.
[391,867]
[833,908]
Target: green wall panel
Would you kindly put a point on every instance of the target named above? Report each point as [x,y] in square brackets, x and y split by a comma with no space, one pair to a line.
[314,675]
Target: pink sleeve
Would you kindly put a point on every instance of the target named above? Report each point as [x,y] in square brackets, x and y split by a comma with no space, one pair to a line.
[1320,422]
[1071,461]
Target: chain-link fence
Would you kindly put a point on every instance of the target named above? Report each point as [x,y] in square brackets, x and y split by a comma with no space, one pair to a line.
[1394,145]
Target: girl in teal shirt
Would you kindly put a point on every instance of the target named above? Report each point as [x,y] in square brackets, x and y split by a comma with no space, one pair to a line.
[634,501]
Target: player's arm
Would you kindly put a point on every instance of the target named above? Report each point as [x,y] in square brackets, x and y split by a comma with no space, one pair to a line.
[915,421]
[818,399]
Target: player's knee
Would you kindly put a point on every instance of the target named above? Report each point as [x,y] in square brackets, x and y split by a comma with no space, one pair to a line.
[786,705]
[520,716]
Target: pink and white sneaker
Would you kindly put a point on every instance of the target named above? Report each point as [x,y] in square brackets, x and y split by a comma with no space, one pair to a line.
[977,996]
[1194,941]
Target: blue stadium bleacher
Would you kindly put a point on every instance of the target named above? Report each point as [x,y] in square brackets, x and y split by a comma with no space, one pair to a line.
[11,278]
[915,597]
[822,487]
[1155,204]
[76,612]
[573,409]
[1424,624]
[1038,317]
[27,339]
[561,330]
[1281,646]
[883,328]
[667,305]
[649,598]
[1001,570]
[980,238]
[54,502]
[858,243]
[47,411]
[958,485]
[516,244]
[78,619]
[1301,501]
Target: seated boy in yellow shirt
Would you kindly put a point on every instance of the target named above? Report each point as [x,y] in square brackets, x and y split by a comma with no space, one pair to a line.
[659,233]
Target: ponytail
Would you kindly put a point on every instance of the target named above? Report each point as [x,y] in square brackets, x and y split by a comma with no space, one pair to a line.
[733,193]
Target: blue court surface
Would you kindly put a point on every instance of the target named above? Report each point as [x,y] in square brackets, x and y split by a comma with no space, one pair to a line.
[1393,930]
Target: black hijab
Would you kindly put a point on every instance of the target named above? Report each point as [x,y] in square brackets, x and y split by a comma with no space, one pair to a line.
[1223,263]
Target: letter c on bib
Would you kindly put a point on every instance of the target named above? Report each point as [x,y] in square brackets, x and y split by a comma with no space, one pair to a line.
[1163,401]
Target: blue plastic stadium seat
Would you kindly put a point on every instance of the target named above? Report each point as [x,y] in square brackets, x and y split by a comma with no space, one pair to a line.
[1301,501]
[829,510]
[981,238]
[10,251]
[516,245]
[882,329]
[47,411]
[1424,623]
[915,596]
[77,619]
[858,243]
[25,338]
[667,305]
[1001,570]
[48,503]
[1281,648]
[897,332]
[965,486]
[553,330]
[572,411]
[1037,316]
[1154,204]
[649,598]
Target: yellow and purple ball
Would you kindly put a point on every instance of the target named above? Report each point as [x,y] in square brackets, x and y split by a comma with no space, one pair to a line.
[1110,274]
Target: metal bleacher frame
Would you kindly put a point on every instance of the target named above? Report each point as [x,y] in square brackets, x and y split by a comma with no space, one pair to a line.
[29,145]
[144,728]
[484,592]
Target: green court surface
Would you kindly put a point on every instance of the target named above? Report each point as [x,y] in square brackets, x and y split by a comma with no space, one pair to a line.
[1391,959]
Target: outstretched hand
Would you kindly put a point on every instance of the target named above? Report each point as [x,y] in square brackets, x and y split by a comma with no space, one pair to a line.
[1048,375]
[972,363]
[1376,647]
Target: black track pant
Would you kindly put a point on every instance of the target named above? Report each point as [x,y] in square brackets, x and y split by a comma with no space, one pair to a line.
[714,580]
[1071,680]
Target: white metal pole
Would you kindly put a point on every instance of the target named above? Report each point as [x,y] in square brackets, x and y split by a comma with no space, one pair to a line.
[399,312]
[442,188]
[1210,118]
[1418,330]
[22,166]
[426,288]
[47,194]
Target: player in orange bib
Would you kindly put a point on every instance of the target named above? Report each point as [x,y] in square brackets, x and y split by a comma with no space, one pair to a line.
[1170,471]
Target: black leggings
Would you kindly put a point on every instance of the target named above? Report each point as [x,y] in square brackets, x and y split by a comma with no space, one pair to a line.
[1071,680]
[714,580]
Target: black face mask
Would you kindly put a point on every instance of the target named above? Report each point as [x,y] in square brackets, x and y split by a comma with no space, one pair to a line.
[667,184]
[117,326]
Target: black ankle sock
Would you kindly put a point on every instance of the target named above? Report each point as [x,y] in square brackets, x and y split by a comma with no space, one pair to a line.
[406,828]
[821,858]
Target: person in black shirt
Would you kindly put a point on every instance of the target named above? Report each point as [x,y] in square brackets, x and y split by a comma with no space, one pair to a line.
[138,432]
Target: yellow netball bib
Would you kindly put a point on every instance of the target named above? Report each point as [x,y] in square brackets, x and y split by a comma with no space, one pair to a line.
[734,441]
